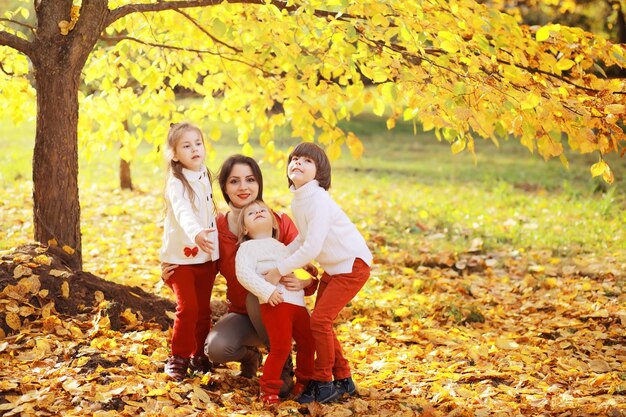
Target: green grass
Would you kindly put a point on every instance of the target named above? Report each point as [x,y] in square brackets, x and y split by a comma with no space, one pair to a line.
[408,194]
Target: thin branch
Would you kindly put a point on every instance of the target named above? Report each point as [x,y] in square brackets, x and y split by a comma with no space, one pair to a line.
[206,32]
[120,12]
[15,22]
[193,50]
[5,71]
[17,43]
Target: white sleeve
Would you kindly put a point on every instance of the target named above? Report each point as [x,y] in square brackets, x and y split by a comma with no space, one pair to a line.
[319,219]
[245,267]
[182,209]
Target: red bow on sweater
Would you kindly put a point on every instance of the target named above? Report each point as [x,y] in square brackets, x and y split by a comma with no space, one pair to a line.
[191,252]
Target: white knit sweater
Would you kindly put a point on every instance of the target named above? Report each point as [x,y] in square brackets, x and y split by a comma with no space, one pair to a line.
[326,234]
[185,220]
[254,258]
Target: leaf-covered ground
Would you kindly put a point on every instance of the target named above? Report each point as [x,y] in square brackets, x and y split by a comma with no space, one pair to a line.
[474,334]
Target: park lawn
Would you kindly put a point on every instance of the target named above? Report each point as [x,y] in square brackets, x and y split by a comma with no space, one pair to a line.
[497,289]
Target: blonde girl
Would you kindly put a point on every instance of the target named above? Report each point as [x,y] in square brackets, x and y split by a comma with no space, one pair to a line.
[190,241]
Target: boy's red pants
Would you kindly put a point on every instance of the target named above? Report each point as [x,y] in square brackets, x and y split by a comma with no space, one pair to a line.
[283,322]
[333,294]
[192,285]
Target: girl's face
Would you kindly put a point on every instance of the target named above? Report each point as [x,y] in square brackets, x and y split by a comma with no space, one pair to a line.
[301,169]
[189,150]
[242,186]
[257,221]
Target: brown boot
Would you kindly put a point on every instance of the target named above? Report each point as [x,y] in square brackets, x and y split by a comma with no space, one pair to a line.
[250,362]
[176,367]
[200,364]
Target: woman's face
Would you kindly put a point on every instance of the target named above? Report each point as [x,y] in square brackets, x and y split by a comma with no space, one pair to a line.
[242,186]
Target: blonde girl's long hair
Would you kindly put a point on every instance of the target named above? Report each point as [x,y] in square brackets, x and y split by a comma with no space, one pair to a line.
[175,168]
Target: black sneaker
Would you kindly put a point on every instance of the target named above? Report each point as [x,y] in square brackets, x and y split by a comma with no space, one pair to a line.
[345,386]
[322,392]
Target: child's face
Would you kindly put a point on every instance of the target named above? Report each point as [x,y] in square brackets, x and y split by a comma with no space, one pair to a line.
[257,221]
[301,170]
[189,150]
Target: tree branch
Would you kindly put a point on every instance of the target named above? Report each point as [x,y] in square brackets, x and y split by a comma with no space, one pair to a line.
[15,22]
[193,50]
[120,12]
[17,43]
[206,32]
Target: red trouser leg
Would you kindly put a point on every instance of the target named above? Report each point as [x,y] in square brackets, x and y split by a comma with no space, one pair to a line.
[333,294]
[205,278]
[278,323]
[305,357]
[192,285]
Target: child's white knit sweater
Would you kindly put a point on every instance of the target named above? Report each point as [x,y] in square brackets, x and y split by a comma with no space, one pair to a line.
[254,258]
[326,234]
[185,220]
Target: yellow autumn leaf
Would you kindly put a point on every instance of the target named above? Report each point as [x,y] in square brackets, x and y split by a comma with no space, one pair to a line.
[598,168]
[564,64]
[543,33]
[458,146]
[354,145]
[13,321]
[65,289]
[506,344]
[615,108]
[21,271]
[301,274]
[42,259]
[68,249]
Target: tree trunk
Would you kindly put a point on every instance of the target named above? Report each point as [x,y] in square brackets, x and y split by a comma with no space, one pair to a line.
[126,181]
[55,158]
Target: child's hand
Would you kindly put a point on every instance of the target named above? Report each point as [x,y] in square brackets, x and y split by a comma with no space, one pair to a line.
[275,299]
[273,276]
[204,241]
[167,270]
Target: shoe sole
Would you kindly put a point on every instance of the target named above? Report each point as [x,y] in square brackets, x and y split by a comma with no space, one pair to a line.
[330,399]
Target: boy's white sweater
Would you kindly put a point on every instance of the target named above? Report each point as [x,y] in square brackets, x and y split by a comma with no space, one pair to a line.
[185,220]
[326,234]
[254,258]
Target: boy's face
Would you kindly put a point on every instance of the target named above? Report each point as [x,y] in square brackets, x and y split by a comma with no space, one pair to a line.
[257,221]
[301,169]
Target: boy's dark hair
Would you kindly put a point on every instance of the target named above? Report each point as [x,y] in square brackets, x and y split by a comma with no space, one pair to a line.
[317,154]
[227,167]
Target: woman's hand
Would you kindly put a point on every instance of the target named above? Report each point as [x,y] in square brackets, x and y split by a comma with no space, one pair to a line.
[204,241]
[167,270]
[295,284]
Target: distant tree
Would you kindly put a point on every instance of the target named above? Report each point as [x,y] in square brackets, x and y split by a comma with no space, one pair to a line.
[457,67]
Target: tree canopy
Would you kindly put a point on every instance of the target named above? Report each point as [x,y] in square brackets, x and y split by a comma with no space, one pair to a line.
[457,67]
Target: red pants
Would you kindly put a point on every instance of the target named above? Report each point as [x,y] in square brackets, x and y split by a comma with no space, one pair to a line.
[333,294]
[282,322]
[192,285]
